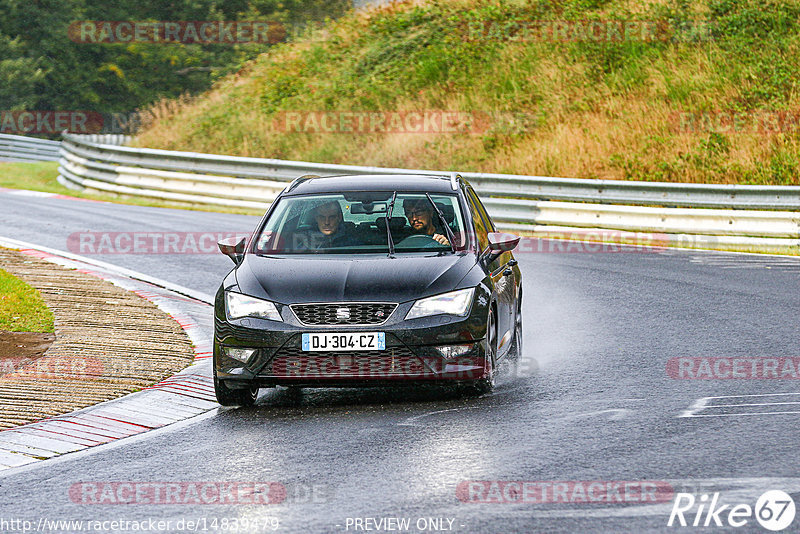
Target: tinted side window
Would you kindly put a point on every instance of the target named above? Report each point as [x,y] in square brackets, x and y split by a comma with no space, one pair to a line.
[487,221]
[480,224]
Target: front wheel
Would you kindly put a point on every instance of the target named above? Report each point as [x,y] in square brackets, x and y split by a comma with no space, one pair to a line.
[486,384]
[516,349]
[234,397]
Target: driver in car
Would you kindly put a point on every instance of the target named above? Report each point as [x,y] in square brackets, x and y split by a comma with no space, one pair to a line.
[421,217]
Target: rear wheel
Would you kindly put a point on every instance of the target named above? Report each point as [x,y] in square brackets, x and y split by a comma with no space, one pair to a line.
[234,397]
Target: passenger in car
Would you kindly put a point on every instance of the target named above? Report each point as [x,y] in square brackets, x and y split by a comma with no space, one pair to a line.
[331,231]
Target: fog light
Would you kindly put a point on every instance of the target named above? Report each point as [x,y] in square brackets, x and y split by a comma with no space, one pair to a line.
[239,354]
[454,351]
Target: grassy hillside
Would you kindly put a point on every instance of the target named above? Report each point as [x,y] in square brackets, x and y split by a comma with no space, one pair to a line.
[594,107]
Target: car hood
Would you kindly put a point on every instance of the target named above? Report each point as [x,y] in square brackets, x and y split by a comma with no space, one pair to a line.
[291,280]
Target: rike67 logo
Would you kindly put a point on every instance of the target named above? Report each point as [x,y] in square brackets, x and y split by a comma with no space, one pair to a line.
[774,510]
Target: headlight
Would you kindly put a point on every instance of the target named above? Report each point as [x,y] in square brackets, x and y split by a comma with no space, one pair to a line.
[238,305]
[453,303]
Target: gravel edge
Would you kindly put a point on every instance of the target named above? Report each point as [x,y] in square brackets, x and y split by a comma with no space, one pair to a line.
[109,342]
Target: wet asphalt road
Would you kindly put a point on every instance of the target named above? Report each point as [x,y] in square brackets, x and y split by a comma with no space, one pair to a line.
[592,401]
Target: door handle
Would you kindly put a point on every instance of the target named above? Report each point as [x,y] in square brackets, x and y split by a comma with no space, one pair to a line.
[512,263]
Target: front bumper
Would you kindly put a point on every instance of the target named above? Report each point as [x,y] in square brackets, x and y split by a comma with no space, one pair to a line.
[411,355]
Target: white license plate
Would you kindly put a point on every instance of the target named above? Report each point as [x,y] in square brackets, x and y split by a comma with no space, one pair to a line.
[352,341]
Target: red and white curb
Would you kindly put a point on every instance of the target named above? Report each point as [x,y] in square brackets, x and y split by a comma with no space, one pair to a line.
[186,394]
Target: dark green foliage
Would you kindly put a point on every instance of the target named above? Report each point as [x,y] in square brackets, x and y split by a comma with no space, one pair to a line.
[42,69]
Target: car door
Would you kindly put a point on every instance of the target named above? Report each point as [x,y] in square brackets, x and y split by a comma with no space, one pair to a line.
[503,283]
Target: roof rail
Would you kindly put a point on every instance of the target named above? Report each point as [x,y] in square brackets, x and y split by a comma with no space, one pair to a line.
[299,180]
[454,178]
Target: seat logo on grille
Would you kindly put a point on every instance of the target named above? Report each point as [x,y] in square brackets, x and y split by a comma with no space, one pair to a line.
[342,313]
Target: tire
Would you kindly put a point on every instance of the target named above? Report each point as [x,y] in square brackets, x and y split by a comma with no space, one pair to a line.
[234,397]
[486,384]
[516,349]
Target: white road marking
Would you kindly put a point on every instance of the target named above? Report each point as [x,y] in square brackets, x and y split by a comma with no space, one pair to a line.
[704,404]
[781,263]
[743,414]
[752,404]
[696,406]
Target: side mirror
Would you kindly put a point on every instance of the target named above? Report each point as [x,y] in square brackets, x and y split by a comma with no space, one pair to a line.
[499,243]
[233,249]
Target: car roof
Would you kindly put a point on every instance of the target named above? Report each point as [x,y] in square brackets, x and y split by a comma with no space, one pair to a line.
[370,182]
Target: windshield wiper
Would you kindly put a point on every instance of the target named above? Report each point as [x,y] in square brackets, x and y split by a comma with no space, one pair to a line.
[450,236]
[388,229]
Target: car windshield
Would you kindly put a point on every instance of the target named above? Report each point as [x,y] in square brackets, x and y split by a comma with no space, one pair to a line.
[356,223]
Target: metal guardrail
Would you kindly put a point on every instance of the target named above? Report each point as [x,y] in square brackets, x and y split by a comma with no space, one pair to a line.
[499,185]
[516,202]
[514,213]
[21,148]
[27,149]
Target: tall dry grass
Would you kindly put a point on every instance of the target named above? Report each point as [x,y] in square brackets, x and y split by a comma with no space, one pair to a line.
[587,110]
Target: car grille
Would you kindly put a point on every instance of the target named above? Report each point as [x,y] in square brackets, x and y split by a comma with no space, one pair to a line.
[394,362]
[344,313]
